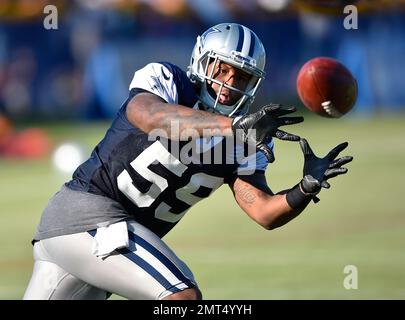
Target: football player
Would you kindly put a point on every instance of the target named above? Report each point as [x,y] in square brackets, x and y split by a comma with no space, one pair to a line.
[101,233]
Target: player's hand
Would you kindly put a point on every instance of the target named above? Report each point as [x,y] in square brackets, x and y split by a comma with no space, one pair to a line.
[258,127]
[318,170]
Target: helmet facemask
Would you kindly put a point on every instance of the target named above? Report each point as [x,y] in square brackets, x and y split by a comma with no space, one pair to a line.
[211,99]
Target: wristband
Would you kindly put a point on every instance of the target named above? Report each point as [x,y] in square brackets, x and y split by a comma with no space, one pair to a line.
[297,199]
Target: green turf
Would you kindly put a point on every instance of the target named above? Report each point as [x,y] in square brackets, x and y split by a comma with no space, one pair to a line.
[360,221]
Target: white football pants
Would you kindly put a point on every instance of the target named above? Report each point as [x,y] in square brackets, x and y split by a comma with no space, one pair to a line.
[66,268]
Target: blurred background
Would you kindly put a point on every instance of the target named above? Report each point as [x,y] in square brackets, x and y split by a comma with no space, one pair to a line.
[59,89]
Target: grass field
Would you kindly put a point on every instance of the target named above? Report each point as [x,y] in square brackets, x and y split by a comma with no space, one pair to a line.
[360,221]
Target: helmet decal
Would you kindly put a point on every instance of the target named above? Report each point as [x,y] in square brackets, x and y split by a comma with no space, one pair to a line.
[209,31]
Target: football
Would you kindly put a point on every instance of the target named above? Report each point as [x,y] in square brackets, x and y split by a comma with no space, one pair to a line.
[326,87]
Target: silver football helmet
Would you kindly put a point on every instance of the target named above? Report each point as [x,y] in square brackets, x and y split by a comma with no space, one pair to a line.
[233,44]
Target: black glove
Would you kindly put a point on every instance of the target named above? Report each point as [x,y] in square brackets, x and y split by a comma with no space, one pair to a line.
[265,123]
[318,170]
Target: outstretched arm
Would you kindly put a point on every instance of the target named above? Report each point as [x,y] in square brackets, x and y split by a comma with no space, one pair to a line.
[274,210]
[267,209]
[149,112]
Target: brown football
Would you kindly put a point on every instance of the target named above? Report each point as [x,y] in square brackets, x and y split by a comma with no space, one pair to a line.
[326,87]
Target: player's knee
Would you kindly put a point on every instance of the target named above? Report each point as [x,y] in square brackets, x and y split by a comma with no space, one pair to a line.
[187,294]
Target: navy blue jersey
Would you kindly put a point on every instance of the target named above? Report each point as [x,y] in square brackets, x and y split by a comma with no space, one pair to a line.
[156,179]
